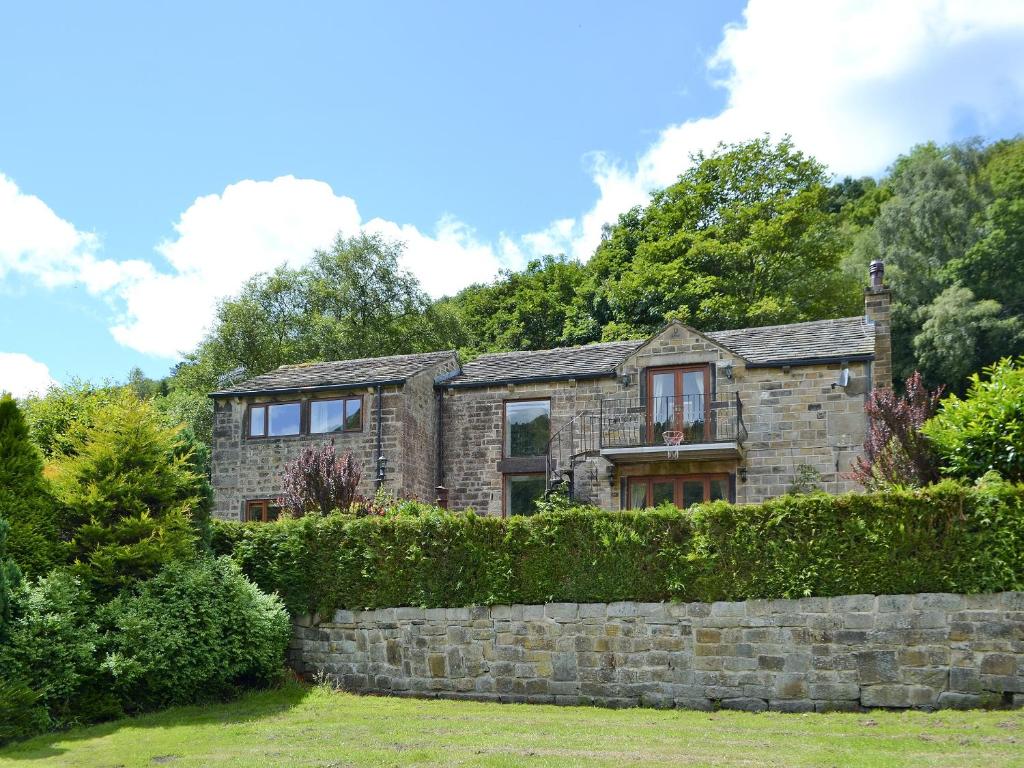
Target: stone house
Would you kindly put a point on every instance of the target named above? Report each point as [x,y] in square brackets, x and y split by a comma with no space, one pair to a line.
[680,417]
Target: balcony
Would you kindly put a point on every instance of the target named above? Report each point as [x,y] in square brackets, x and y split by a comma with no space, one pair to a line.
[671,427]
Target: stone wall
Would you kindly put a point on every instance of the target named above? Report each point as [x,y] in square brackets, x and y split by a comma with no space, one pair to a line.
[814,654]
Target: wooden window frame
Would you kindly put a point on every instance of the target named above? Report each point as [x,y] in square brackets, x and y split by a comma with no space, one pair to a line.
[506,496]
[504,425]
[344,399]
[677,489]
[265,505]
[679,370]
[266,420]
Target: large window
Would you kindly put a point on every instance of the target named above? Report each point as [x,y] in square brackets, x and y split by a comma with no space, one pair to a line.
[275,419]
[262,510]
[342,415]
[527,427]
[678,405]
[522,493]
[682,491]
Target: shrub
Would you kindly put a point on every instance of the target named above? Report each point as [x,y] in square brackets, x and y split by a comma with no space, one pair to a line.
[197,631]
[984,431]
[129,492]
[25,499]
[942,538]
[53,647]
[896,452]
[320,480]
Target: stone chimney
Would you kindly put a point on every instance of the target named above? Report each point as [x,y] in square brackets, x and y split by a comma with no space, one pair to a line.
[877,310]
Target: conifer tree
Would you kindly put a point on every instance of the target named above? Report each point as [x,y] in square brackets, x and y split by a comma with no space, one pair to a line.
[25,498]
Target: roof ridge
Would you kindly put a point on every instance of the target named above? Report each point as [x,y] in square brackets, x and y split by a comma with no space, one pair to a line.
[590,345]
[405,355]
[784,325]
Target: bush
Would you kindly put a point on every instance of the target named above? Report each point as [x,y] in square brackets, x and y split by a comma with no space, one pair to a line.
[942,538]
[196,632]
[10,584]
[129,492]
[25,498]
[53,649]
[318,480]
[985,431]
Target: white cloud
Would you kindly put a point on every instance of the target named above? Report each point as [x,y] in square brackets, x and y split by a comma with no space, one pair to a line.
[20,375]
[854,82]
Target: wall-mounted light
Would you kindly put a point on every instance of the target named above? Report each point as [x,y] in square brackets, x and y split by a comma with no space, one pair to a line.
[382,470]
[625,380]
[610,473]
[727,370]
[743,474]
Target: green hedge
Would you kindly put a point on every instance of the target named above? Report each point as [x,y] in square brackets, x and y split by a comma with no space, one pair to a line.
[947,538]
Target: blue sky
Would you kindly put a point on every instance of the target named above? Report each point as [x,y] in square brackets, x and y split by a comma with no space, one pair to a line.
[153,156]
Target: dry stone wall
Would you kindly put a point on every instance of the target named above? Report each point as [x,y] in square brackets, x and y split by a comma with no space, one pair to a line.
[813,654]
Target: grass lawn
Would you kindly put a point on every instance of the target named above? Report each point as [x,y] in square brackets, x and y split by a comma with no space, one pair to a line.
[303,726]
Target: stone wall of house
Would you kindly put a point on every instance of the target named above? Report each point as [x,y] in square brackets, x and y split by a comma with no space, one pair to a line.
[474,431]
[813,654]
[417,460]
[796,422]
[246,469]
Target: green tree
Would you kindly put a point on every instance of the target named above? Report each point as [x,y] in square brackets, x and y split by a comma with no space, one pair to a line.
[352,301]
[25,499]
[744,238]
[984,431]
[62,410]
[129,493]
[10,583]
[960,335]
[520,310]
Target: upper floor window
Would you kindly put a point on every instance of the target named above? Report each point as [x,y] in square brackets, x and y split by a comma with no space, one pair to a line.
[275,419]
[527,427]
[678,406]
[342,415]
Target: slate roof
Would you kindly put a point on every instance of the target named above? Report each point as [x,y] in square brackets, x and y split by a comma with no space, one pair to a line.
[365,371]
[849,338]
[818,340]
[588,361]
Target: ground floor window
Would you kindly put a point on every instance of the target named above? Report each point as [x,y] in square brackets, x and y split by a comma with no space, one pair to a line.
[522,493]
[680,490]
[262,510]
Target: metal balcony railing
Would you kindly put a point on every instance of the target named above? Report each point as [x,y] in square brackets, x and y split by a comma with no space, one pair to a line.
[670,420]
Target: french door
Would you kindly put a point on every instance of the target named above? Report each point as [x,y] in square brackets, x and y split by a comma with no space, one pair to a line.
[678,403]
[681,490]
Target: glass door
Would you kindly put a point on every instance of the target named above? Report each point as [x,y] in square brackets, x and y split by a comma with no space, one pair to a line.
[678,406]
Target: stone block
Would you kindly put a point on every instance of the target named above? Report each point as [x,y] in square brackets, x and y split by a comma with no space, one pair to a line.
[745,704]
[876,666]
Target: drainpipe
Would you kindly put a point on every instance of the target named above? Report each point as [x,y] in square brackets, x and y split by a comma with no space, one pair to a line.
[442,493]
[380,439]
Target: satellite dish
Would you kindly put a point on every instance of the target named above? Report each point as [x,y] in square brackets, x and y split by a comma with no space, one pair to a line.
[844,379]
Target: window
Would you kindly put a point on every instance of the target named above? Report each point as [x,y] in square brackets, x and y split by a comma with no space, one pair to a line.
[678,403]
[275,419]
[262,510]
[527,427]
[521,493]
[682,490]
[344,415]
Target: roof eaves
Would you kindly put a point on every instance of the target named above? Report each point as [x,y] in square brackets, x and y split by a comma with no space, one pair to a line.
[784,362]
[302,390]
[480,384]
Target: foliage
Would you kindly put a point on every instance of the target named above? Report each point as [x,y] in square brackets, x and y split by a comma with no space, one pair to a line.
[941,538]
[20,713]
[10,584]
[946,233]
[320,480]
[128,492]
[198,631]
[53,649]
[805,480]
[520,310]
[54,418]
[25,499]
[896,451]
[984,431]
[351,301]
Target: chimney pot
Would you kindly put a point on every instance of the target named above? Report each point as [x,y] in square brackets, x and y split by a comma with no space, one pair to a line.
[877,272]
